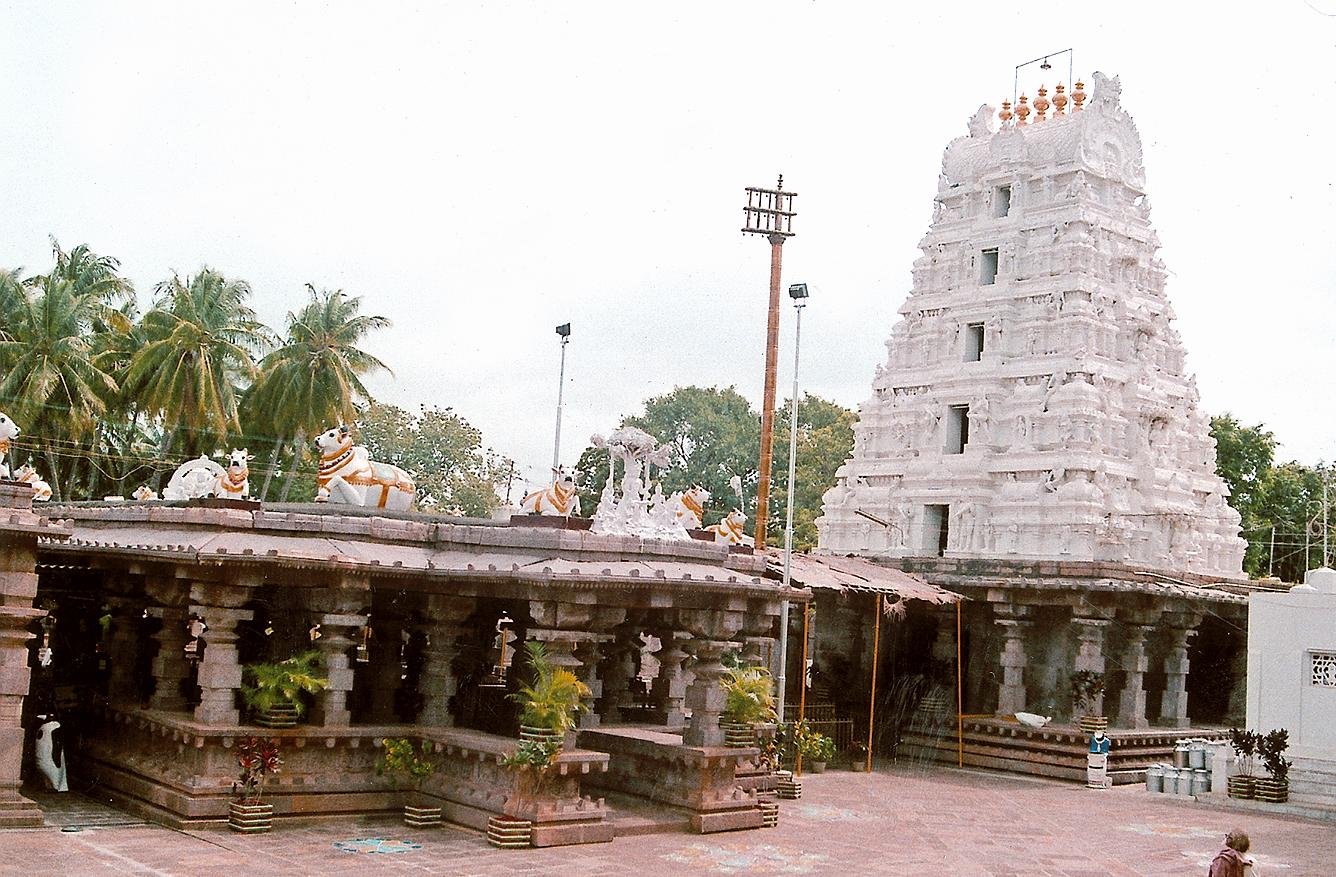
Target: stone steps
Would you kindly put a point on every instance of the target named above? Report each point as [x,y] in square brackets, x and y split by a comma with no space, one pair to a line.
[1313,781]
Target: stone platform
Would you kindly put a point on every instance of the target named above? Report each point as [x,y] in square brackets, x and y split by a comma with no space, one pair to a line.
[1056,751]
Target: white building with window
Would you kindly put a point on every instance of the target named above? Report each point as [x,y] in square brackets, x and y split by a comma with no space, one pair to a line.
[1292,679]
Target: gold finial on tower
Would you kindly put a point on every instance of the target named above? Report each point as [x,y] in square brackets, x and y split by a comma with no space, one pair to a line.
[1041,104]
[1078,96]
[1022,110]
[1005,114]
[1059,100]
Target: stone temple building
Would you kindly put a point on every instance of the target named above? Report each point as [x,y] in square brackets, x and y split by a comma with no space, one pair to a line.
[1034,440]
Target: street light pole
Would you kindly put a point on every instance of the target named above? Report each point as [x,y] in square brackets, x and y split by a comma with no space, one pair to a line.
[769,212]
[564,330]
[797,292]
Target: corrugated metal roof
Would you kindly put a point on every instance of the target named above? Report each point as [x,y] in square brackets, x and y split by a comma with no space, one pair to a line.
[827,572]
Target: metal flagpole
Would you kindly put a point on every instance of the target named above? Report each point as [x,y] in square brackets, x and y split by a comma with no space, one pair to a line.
[564,330]
[798,292]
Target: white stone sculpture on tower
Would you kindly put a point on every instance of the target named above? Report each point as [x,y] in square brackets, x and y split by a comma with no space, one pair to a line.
[1034,403]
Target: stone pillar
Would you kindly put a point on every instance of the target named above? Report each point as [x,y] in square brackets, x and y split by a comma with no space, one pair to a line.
[1174,701]
[1011,687]
[170,667]
[19,529]
[123,643]
[619,669]
[1238,684]
[445,616]
[1090,633]
[670,686]
[573,633]
[712,632]
[386,670]
[340,619]
[1132,698]
[219,671]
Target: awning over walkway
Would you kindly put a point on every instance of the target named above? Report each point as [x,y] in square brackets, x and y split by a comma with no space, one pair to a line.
[828,572]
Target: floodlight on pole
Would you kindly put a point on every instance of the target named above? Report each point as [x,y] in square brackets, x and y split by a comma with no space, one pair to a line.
[797,292]
[769,212]
[564,331]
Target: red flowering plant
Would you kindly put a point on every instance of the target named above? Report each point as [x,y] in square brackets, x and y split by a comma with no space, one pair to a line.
[257,757]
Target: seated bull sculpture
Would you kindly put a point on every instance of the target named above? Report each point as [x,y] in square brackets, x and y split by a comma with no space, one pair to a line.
[348,475]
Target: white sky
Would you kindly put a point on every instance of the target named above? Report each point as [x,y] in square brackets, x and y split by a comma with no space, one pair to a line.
[482,172]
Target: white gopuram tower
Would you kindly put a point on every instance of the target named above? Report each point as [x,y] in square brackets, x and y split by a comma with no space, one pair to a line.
[1034,404]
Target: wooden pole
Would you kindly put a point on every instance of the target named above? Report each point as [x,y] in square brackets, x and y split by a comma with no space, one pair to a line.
[960,698]
[768,395]
[802,692]
[876,648]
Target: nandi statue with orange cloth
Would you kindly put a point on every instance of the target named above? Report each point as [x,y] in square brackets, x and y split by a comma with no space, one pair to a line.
[9,430]
[349,476]
[689,506]
[558,498]
[41,491]
[732,529]
[234,483]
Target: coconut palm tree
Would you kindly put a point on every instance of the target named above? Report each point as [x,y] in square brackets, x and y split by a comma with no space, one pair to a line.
[314,379]
[53,384]
[202,338]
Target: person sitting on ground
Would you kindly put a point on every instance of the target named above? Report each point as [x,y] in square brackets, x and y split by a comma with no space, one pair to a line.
[1231,861]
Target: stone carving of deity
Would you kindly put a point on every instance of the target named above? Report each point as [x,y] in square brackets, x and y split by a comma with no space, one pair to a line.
[965,529]
[981,419]
[929,418]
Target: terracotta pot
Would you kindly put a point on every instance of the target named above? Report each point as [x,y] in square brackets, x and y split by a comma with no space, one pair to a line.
[421,817]
[1271,790]
[250,818]
[816,767]
[283,715]
[738,735]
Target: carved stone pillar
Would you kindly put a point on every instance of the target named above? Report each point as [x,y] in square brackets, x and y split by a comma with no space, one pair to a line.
[670,686]
[386,669]
[1238,684]
[1132,698]
[619,670]
[340,621]
[19,529]
[712,632]
[1011,688]
[1090,634]
[219,671]
[573,633]
[1174,700]
[123,644]
[170,667]
[445,616]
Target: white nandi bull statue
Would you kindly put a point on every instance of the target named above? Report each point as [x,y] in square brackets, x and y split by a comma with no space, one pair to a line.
[41,491]
[347,475]
[194,479]
[9,430]
[144,493]
[558,498]
[689,506]
[731,529]
[234,483]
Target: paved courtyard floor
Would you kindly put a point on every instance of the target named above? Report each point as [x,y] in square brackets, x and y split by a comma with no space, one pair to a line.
[902,822]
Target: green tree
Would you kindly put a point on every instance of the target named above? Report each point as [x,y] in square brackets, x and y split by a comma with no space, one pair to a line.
[825,441]
[202,337]
[314,380]
[441,450]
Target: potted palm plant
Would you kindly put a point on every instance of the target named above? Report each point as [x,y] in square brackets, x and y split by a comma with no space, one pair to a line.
[274,692]
[1274,788]
[257,758]
[1243,784]
[1087,688]
[749,700]
[405,762]
[550,703]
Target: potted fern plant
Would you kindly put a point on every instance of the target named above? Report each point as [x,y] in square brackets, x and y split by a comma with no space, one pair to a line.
[247,813]
[1087,689]
[749,700]
[1243,784]
[274,692]
[550,703]
[1274,788]
[405,762]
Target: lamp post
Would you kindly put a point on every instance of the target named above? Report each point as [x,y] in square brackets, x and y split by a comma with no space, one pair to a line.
[769,212]
[564,330]
[797,292]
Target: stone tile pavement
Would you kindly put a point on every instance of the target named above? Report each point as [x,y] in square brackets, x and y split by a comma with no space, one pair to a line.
[903,822]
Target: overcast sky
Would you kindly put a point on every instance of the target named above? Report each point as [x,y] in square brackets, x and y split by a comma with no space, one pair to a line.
[482,172]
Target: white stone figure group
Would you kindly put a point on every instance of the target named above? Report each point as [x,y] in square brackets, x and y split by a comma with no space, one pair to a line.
[9,430]
[194,479]
[638,511]
[558,498]
[348,475]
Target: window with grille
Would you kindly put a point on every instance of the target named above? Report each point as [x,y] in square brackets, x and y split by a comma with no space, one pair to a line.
[1324,669]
